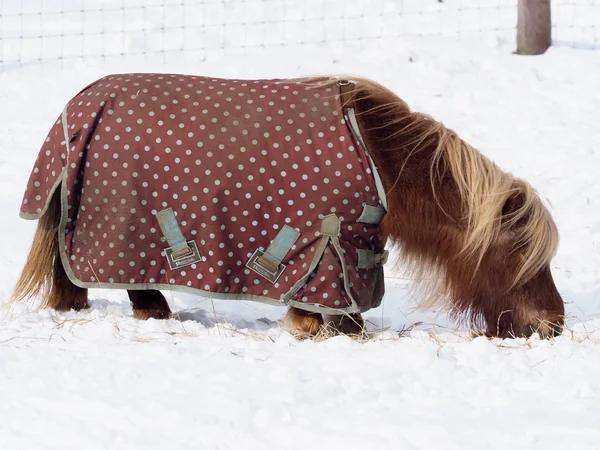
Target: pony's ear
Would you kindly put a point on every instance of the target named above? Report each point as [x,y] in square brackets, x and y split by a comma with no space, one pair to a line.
[513,203]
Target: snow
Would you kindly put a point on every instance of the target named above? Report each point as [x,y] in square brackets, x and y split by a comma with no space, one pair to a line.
[225,375]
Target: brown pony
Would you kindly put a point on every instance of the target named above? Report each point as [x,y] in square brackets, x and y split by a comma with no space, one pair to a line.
[478,240]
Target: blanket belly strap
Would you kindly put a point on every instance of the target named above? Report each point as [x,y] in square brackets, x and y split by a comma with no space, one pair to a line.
[330,234]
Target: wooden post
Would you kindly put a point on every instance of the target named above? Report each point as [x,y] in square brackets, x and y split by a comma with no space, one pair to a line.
[534,27]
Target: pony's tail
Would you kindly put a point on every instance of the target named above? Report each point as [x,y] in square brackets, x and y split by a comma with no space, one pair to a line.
[37,277]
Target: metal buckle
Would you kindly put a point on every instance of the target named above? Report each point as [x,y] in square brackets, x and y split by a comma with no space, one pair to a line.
[265,268]
[184,257]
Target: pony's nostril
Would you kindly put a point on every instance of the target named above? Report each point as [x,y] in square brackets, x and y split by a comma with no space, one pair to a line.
[556,330]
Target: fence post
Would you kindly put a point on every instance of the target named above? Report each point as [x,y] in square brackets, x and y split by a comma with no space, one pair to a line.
[534,27]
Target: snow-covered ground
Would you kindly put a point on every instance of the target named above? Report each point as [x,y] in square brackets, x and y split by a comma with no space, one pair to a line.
[224,375]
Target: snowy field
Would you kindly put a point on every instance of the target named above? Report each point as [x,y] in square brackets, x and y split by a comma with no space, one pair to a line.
[225,375]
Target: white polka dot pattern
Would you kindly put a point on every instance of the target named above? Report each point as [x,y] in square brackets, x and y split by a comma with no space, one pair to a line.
[235,159]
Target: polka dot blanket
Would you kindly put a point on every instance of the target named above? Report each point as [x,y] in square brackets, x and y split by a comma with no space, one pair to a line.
[241,189]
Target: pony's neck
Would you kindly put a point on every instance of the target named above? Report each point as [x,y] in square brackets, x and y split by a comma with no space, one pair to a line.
[425,217]
[424,205]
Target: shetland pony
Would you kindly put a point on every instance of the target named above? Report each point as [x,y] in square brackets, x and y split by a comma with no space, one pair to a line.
[477,240]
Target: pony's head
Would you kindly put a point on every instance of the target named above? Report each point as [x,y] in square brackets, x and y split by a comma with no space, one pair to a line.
[500,275]
[478,240]
[511,290]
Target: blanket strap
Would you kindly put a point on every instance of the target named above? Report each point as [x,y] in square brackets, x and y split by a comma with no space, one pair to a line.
[347,88]
[268,263]
[372,215]
[368,259]
[180,253]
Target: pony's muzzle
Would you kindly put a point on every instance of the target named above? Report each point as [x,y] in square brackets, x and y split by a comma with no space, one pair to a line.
[545,329]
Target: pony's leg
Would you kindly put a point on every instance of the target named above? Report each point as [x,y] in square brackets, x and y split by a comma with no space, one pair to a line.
[303,323]
[63,294]
[149,304]
[349,324]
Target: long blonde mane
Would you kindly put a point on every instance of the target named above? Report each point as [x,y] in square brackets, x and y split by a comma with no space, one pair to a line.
[484,189]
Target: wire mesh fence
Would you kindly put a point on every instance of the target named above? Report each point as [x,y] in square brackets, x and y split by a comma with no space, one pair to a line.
[46,30]
[576,23]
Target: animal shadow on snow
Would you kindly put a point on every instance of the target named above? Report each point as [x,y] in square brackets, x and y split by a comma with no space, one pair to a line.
[210,319]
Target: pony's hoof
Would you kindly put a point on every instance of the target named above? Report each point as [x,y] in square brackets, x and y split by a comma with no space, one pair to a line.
[349,325]
[145,314]
[81,304]
[303,324]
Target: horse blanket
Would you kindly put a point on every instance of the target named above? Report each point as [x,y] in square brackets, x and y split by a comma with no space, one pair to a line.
[246,189]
